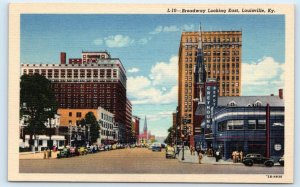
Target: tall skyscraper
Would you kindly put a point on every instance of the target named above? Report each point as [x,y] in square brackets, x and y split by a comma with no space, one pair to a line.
[222,61]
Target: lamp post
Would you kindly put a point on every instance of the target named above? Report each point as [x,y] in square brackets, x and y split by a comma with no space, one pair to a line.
[89,137]
[70,133]
[184,132]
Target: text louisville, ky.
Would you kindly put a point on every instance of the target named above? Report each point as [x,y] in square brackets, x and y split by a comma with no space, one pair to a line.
[220,10]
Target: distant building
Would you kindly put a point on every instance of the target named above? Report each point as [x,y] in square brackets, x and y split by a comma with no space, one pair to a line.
[145,136]
[136,127]
[128,122]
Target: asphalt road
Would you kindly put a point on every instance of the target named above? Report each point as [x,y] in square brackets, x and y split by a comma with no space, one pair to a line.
[136,160]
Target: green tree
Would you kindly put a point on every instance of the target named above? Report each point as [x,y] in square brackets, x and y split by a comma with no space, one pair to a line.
[37,103]
[91,120]
[169,139]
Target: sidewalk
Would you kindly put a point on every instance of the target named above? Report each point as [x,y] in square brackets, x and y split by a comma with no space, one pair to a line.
[188,158]
[35,155]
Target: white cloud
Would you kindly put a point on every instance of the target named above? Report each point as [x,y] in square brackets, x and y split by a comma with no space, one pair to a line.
[135,84]
[133,70]
[159,88]
[163,73]
[118,41]
[98,41]
[265,75]
[172,28]
[266,69]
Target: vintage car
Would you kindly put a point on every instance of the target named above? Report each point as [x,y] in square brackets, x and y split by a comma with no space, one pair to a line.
[64,153]
[170,152]
[82,151]
[73,151]
[251,159]
[281,161]
[156,146]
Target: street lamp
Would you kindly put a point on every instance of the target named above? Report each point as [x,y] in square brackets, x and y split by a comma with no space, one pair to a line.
[184,134]
[70,133]
[89,137]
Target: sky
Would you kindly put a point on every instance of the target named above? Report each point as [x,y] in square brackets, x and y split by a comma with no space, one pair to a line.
[148,47]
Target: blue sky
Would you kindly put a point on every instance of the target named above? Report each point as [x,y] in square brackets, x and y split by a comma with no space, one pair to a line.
[148,45]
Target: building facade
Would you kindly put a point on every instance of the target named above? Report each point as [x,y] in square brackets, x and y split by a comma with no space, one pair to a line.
[128,130]
[136,127]
[252,124]
[73,116]
[106,121]
[221,56]
[98,81]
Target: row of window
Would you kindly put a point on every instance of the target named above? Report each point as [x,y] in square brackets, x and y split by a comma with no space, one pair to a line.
[233,71]
[240,125]
[107,117]
[214,59]
[214,53]
[107,133]
[214,39]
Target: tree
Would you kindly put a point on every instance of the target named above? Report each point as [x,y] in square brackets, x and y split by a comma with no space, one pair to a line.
[37,104]
[91,120]
[169,139]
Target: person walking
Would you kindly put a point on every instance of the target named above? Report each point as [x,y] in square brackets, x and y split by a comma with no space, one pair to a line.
[48,153]
[233,157]
[45,153]
[241,156]
[200,156]
[217,155]
[237,156]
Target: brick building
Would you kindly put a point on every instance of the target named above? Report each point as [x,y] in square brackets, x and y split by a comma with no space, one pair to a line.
[221,55]
[98,81]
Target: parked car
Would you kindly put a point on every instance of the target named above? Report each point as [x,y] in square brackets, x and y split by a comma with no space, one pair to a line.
[82,150]
[170,152]
[101,148]
[114,146]
[64,153]
[156,147]
[251,159]
[73,151]
[281,161]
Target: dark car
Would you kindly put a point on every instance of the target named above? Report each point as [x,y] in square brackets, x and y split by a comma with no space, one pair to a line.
[156,147]
[64,153]
[281,161]
[251,159]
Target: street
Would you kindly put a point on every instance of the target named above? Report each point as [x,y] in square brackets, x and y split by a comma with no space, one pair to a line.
[135,160]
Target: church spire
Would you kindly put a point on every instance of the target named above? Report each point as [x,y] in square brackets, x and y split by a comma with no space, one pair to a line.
[145,125]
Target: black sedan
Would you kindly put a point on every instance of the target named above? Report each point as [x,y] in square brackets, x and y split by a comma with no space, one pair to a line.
[251,159]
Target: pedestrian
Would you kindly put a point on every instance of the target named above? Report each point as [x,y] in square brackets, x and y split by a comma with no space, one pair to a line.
[241,155]
[48,153]
[233,156]
[45,153]
[217,155]
[200,156]
[237,156]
